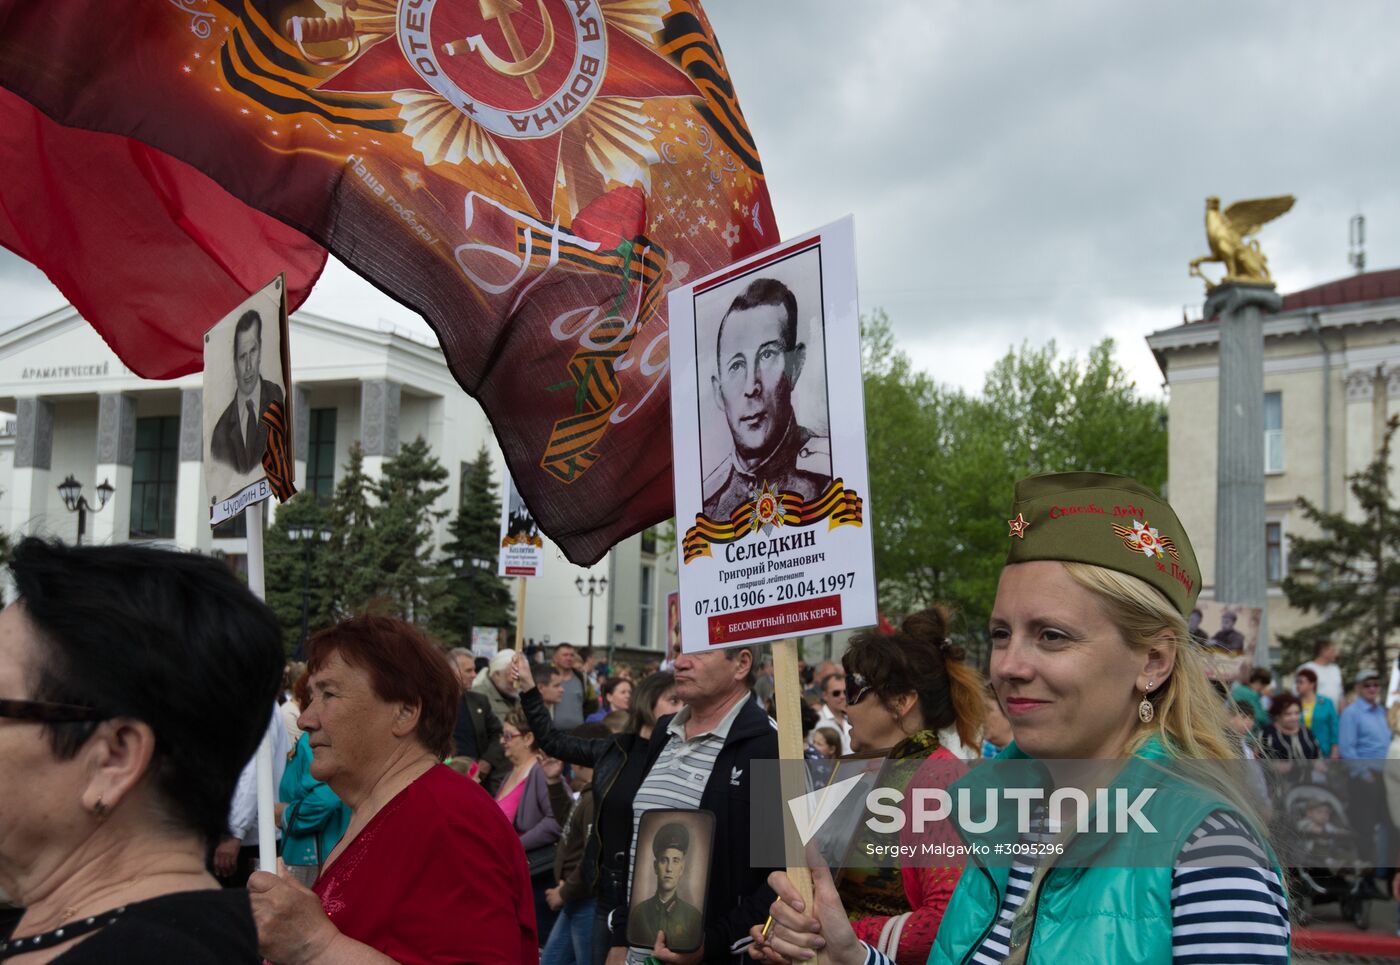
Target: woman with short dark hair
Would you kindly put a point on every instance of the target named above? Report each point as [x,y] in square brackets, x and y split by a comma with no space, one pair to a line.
[134,685]
[429,871]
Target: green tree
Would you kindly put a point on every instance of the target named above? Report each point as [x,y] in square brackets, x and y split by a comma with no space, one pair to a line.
[403,527]
[469,591]
[353,581]
[943,463]
[286,570]
[1349,573]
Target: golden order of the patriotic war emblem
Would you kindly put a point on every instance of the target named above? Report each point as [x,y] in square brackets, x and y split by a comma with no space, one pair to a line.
[534,89]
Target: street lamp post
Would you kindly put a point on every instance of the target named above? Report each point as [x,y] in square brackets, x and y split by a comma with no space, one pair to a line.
[593,588]
[470,565]
[72,492]
[307,537]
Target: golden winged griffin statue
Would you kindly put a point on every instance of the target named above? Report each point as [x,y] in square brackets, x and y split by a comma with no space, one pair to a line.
[1228,233]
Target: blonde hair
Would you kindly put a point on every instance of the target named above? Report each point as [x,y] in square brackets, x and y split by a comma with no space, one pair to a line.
[1189,717]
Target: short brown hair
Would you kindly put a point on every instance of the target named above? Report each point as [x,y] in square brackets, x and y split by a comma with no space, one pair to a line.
[404,666]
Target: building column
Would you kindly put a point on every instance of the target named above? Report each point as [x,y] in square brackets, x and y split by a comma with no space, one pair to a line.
[301,431]
[1241,574]
[191,496]
[1360,429]
[116,450]
[379,423]
[30,483]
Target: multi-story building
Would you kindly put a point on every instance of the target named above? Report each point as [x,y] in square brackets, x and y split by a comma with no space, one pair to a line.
[78,411]
[1331,381]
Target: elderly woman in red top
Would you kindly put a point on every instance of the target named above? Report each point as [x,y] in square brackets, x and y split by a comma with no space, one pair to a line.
[429,871]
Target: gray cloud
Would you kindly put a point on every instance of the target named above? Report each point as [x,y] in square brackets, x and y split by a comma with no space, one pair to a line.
[1032,170]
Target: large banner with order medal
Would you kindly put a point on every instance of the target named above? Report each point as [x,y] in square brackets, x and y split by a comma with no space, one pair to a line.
[768,423]
[531,177]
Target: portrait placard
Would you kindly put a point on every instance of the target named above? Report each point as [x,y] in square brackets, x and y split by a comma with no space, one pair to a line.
[1226,633]
[522,547]
[247,409]
[486,641]
[770,487]
[670,879]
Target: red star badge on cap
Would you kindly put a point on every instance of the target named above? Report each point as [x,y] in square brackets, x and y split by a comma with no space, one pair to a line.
[1018,526]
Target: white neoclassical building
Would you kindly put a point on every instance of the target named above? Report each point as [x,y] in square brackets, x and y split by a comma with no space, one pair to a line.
[78,411]
[1331,380]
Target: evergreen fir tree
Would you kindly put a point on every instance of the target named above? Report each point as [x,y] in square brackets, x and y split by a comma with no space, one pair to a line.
[469,591]
[404,521]
[286,570]
[1349,574]
[352,579]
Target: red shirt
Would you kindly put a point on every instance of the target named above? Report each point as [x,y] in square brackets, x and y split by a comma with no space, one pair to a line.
[437,877]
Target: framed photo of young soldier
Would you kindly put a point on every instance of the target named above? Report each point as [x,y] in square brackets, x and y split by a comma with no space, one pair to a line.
[247,412]
[1227,634]
[770,483]
[670,879]
[522,547]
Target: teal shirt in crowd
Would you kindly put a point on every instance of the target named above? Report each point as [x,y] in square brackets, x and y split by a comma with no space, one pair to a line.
[1249,696]
[315,819]
[1324,724]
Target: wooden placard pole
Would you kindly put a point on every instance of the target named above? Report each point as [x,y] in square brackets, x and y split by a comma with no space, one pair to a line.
[787,692]
[267,826]
[520,614]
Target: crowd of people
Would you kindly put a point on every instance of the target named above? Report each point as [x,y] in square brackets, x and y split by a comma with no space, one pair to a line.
[435,807]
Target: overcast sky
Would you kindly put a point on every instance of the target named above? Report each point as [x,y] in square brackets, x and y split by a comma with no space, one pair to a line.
[1034,170]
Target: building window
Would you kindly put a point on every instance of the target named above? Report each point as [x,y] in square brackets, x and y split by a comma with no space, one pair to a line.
[649,540]
[645,608]
[1273,432]
[320,454]
[154,477]
[1273,551]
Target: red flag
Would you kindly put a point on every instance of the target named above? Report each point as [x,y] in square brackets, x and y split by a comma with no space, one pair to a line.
[530,175]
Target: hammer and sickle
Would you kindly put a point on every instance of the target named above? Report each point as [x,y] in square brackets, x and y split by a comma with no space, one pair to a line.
[522,65]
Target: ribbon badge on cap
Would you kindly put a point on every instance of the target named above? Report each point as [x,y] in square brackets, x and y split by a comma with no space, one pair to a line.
[1144,539]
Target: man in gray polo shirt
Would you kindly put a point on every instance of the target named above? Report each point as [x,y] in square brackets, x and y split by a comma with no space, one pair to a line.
[702,758]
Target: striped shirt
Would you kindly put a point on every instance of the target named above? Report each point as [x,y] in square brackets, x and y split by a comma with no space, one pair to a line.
[1227,902]
[676,782]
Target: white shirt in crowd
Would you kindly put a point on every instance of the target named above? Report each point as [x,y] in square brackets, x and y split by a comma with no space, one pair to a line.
[243,812]
[825,718]
[1329,680]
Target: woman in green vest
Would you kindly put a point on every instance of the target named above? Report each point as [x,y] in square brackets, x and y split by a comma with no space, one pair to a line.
[1092,661]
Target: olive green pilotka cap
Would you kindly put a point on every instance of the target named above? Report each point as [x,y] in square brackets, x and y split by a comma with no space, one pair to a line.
[1110,521]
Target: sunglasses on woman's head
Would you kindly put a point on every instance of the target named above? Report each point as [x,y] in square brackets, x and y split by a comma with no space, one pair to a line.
[856,688]
[47,713]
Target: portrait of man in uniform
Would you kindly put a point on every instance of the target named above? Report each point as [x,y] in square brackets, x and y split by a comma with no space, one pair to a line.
[666,911]
[1227,637]
[240,438]
[759,359]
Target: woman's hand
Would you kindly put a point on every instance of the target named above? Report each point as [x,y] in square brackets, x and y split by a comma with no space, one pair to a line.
[796,935]
[520,672]
[292,926]
[226,857]
[552,899]
[552,767]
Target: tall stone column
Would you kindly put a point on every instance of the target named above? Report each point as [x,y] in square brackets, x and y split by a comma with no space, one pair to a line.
[379,423]
[1241,573]
[116,451]
[30,483]
[191,495]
